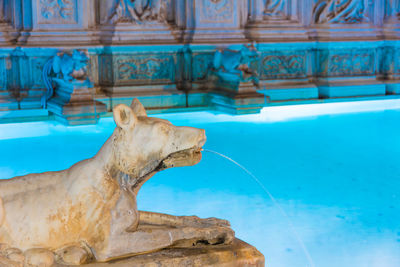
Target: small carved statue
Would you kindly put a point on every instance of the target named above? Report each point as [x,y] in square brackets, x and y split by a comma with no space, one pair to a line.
[70,67]
[138,11]
[339,11]
[89,212]
[235,65]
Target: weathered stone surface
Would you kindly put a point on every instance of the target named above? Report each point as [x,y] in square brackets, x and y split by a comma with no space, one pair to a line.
[238,254]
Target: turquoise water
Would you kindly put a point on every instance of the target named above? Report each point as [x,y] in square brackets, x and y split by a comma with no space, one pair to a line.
[333,168]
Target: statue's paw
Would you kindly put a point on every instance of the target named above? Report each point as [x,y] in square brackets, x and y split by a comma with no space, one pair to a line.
[11,256]
[38,257]
[216,222]
[212,235]
[73,255]
[195,221]
[6,262]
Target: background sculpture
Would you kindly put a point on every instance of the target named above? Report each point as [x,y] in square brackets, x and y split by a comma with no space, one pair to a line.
[342,11]
[138,11]
[66,66]
[274,8]
[235,66]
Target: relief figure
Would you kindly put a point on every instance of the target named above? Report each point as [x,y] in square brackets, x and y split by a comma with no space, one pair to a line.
[274,8]
[138,11]
[339,11]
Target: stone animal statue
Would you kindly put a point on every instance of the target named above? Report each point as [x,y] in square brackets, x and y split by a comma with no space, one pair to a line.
[70,67]
[89,212]
[233,64]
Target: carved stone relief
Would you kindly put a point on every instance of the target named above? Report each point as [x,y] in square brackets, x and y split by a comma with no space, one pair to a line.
[144,68]
[392,10]
[340,11]
[201,65]
[281,64]
[346,63]
[106,69]
[37,64]
[220,11]
[275,9]
[57,11]
[137,11]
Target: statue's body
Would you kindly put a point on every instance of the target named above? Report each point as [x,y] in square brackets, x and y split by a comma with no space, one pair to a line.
[89,210]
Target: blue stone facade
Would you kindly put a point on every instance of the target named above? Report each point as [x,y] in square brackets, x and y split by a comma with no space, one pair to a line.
[162,51]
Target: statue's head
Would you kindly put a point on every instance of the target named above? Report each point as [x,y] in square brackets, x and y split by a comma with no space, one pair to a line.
[143,144]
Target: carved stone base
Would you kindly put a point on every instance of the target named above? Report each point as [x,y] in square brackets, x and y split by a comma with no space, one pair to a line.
[343,89]
[236,97]
[393,88]
[153,101]
[58,38]
[239,103]
[214,36]
[263,31]
[126,34]
[337,31]
[276,93]
[74,104]
[238,254]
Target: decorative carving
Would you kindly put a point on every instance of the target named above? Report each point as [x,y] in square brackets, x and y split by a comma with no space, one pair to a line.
[229,62]
[339,11]
[89,211]
[392,10]
[201,66]
[37,65]
[145,68]
[217,10]
[233,70]
[346,63]
[282,65]
[138,11]
[70,67]
[54,10]
[106,69]
[274,9]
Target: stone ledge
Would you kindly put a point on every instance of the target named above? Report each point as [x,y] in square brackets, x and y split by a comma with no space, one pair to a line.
[238,254]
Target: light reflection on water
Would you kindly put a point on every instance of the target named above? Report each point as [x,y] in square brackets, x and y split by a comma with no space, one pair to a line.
[337,177]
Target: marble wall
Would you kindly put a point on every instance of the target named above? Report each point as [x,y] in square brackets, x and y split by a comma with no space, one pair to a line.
[162,50]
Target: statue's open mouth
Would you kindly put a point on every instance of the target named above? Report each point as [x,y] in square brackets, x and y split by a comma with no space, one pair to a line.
[187,157]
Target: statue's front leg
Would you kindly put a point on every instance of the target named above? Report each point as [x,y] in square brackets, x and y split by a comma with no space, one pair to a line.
[150,238]
[146,218]
[157,231]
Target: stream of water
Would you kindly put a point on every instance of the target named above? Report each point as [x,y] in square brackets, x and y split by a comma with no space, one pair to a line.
[283,212]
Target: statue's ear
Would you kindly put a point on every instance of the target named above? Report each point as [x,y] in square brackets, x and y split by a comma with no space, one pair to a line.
[138,108]
[124,117]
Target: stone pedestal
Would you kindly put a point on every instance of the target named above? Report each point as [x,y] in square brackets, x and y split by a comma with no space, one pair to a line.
[237,98]
[74,104]
[238,254]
